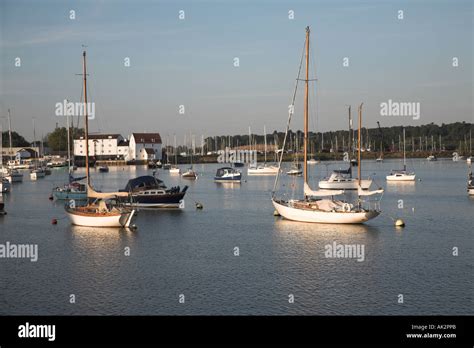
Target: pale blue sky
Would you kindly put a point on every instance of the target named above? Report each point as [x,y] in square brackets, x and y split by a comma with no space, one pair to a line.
[190,62]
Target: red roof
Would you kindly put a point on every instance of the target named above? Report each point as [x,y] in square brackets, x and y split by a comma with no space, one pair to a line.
[147,138]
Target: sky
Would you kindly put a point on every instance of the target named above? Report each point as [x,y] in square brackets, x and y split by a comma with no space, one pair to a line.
[190,62]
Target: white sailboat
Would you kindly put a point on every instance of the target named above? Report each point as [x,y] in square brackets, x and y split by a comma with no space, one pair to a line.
[342,179]
[37,172]
[402,175]
[175,169]
[4,182]
[101,210]
[316,206]
[263,169]
[11,174]
[469,159]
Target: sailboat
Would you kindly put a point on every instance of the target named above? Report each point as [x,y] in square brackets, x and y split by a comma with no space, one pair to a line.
[175,169]
[469,159]
[470,182]
[264,169]
[296,166]
[190,174]
[342,179]
[4,182]
[11,174]
[316,206]
[73,189]
[402,175]
[37,172]
[102,209]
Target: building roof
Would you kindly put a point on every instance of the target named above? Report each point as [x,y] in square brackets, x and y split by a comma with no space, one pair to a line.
[123,143]
[149,151]
[147,138]
[101,136]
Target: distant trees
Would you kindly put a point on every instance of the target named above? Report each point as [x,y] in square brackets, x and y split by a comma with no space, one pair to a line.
[57,140]
[452,135]
[17,140]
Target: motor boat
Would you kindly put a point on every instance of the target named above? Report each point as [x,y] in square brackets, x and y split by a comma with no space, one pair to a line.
[262,170]
[37,174]
[227,174]
[73,190]
[175,170]
[5,185]
[342,180]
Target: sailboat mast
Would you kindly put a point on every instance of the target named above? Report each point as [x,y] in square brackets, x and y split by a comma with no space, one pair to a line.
[265,136]
[350,129]
[404,155]
[68,146]
[34,141]
[359,164]
[175,151]
[84,74]
[10,133]
[305,147]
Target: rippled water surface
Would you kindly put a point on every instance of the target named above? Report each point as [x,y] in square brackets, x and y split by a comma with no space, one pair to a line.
[191,252]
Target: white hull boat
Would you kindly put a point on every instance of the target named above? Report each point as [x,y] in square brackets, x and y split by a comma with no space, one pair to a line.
[320,206]
[175,171]
[263,170]
[312,214]
[401,176]
[112,218]
[37,174]
[344,184]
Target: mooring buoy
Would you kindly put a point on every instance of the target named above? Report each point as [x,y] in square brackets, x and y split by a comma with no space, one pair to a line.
[400,223]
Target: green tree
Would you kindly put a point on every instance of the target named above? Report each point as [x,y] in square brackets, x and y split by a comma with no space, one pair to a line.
[17,140]
[57,140]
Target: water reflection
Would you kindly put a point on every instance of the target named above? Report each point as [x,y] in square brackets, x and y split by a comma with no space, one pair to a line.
[228,185]
[401,186]
[313,231]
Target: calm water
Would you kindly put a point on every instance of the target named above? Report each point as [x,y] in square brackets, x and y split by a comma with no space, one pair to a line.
[191,252]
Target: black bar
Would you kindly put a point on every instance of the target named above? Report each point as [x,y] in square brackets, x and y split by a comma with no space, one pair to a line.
[288,330]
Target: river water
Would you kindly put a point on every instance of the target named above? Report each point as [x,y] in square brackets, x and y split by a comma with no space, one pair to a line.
[235,257]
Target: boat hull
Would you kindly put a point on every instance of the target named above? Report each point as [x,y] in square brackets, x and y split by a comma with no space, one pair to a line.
[5,186]
[344,184]
[407,177]
[92,220]
[63,195]
[470,191]
[166,201]
[263,171]
[312,216]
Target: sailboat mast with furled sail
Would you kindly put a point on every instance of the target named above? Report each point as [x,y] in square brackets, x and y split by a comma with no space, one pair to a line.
[102,208]
[320,206]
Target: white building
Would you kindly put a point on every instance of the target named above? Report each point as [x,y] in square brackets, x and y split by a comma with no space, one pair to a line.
[101,146]
[141,147]
[145,146]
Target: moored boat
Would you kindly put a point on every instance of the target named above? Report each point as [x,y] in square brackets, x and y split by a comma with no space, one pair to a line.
[5,185]
[228,174]
[103,208]
[316,207]
[150,192]
[37,173]
[190,174]
[403,174]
